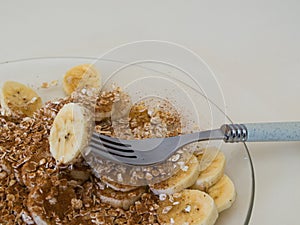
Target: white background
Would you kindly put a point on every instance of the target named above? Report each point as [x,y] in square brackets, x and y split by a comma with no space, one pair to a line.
[252,46]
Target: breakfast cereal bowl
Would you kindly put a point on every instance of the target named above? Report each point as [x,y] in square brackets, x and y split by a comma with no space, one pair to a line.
[204,107]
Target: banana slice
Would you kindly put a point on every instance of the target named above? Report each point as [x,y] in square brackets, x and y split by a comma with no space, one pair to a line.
[181,180]
[120,199]
[211,174]
[69,133]
[19,98]
[223,193]
[81,76]
[189,207]
[116,186]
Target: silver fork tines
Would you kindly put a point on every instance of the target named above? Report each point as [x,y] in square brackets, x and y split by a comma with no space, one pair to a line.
[146,151]
[111,145]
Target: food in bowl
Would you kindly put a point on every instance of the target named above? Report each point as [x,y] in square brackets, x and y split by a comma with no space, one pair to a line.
[45,182]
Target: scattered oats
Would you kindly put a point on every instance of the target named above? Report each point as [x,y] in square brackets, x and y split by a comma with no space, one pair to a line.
[33,100]
[26,218]
[3,175]
[10,197]
[106,132]
[98,128]
[12,182]
[45,85]
[186,223]
[167,209]
[171,198]
[54,83]
[185,168]
[172,221]
[18,139]
[187,209]
[155,173]
[140,175]
[76,203]
[148,176]
[181,164]
[175,158]
[156,206]
[120,178]
[52,201]
[42,161]
[101,185]
[51,84]
[177,195]
[155,120]
[162,197]
[176,203]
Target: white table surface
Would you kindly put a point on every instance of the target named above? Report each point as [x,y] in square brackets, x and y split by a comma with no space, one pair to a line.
[252,46]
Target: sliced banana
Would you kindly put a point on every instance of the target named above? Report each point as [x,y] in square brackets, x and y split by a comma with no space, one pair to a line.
[69,133]
[189,207]
[223,193]
[19,98]
[119,199]
[116,186]
[81,76]
[211,174]
[181,180]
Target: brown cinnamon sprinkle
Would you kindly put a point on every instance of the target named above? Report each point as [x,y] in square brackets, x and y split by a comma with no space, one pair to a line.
[48,189]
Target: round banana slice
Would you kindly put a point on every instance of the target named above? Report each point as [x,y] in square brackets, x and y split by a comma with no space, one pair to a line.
[81,76]
[69,133]
[223,193]
[184,178]
[119,199]
[189,207]
[211,174]
[19,98]
[116,186]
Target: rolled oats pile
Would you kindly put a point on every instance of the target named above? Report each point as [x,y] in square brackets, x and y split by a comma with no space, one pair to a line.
[34,188]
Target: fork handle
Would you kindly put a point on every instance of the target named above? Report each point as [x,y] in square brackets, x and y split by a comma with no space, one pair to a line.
[262,132]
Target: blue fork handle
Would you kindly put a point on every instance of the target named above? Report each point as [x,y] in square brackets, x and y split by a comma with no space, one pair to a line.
[262,132]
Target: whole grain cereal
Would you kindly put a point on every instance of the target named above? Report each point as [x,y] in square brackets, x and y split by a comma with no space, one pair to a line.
[34,189]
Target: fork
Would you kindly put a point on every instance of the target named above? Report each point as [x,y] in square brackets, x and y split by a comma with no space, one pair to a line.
[156,150]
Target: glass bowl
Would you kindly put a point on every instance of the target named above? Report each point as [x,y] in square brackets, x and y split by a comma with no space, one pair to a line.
[35,71]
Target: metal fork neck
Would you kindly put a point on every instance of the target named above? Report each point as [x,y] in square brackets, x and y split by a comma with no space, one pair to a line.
[234,132]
